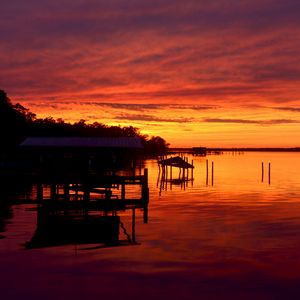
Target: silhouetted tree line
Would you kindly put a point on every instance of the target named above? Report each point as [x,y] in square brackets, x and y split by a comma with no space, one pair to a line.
[18,122]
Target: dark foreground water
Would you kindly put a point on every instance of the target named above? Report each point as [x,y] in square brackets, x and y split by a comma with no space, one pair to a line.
[236,237]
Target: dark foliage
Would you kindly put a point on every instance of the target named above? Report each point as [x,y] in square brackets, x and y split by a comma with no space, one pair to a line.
[17,123]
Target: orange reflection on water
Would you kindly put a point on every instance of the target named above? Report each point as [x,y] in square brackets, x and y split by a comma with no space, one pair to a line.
[239,217]
[236,239]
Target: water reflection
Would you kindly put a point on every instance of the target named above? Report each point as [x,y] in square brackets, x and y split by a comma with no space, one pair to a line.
[79,210]
[5,215]
[237,239]
[57,228]
[8,193]
[164,183]
[85,211]
[168,167]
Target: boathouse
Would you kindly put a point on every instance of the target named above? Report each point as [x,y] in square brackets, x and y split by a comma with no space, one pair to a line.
[166,166]
[82,153]
[81,186]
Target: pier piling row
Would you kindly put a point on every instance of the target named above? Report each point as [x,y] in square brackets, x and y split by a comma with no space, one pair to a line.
[94,193]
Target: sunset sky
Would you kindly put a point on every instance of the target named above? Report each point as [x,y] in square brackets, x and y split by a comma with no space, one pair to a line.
[198,73]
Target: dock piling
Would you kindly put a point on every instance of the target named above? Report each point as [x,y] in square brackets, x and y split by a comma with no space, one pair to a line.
[212,173]
[145,188]
[207,172]
[133,226]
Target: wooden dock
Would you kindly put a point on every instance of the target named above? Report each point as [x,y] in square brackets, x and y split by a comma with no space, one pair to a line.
[85,211]
[176,161]
[93,192]
[166,173]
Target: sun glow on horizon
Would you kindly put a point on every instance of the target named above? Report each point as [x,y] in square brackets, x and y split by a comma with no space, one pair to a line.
[187,125]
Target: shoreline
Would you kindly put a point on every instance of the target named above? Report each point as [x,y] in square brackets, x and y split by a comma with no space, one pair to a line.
[238,149]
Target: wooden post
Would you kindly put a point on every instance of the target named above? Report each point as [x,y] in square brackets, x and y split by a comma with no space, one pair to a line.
[171,176]
[133,226]
[192,170]
[161,186]
[66,196]
[66,192]
[158,178]
[39,192]
[207,172]
[145,188]
[57,190]
[269,173]
[86,194]
[133,168]
[53,191]
[167,171]
[123,191]
[166,178]
[212,173]
[76,192]
[140,167]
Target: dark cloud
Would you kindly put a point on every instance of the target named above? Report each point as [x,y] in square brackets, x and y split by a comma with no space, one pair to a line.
[128,106]
[106,82]
[150,106]
[161,57]
[292,109]
[186,93]
[131,117]
[274,72]
[158,48]
[85,18]
[245,121]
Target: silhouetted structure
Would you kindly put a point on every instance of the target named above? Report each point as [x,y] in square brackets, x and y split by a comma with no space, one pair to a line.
[72,225]
[166,175]
[80,185]
[18,123]
[58,229]
[199,151]
[82,154]
[84,211]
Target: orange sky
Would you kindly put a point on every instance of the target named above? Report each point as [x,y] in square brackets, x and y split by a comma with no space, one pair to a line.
[196,73]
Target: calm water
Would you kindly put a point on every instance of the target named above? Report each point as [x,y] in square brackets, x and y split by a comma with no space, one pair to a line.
[237,237]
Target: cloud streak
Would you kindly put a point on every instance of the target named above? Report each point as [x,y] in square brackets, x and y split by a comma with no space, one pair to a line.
[148,50]
[292,109]
[204,64]
[150,106]
[150,118]
[245,121]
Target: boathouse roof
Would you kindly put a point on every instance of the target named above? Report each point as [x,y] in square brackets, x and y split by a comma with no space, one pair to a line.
[84,142]
[176,161]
